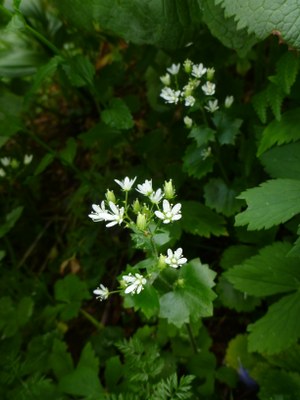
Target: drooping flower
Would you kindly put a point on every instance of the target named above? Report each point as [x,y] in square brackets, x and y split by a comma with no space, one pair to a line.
[126,184]
[99,212]
[187,65]
[174,69]
[155,197]
[2,173]
[145,188]
[175,259]
[228,101]
[189,101]
[210,73]
[27,159]
[198,70]
[209,88]
[170,213]
[188,122]
[170,95]
[212,106]
[134,283]
[166,79]
[101,292]
[5,161]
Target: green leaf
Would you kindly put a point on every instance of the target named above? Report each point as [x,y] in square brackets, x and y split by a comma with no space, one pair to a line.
[225,29]
[278,385]
[43,164]
[79,70]
[13,317]
[113,372]
[84,381]
[279,328]
[281,17]
[272,203]
[202,134]
[283,161]
[69,152]
[71,291]
[10,220]
[60,360]
[201,220]
[197,161]
[236,254]
[270,272]
[227,127]
[168,23]
[147,301]
[279,132]
[192,297]
[10,120]
[221,198]
[237,353]
[118,115]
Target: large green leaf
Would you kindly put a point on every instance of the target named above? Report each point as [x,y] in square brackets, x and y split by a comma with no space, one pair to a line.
[279,132]
[118,115]
[280,17]
[273,202]
[166,23]
[279,328]
[192,297]
[270,272]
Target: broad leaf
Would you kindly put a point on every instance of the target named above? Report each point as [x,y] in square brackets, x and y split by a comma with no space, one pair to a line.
[118,115]
[282,17]
[227,127]
[60,360]
[272,203]
[202,134]
[268,273]
[279,328]
[278,384]
[197,161]
[279,132]
[201,220]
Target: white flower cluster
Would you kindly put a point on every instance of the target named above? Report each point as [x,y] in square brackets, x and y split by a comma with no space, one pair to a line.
[13,163]
[200,77]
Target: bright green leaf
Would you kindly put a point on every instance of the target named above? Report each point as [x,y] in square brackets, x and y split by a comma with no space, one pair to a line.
[270,272]
[272,203]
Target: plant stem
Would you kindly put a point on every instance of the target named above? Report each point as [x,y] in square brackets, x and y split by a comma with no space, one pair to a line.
[191,337]
[92,320]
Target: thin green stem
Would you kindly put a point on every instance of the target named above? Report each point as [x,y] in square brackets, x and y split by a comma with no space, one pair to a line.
[92,320]
[42,39]
[191,337]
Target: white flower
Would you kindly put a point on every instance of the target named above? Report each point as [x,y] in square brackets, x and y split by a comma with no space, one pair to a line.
[99,212]
[126,184]
[166,79]
[198,70]
[228,101]
[188,121]
[145,188]
[175,259]
[101,292]
[156,197]
[116,216]
[2,173]
[170,213]
[189,101]
[212,106]
[27,159]
[170,95]
[5,161]
[134,283]
[209,88]
[174,69]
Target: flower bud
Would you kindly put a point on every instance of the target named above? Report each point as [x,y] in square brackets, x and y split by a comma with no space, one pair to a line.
[110,196]
[187,65]
[136,206]
[169,190]
[166,79]
[188,121]
[228,101]
[141,221]
[14,163]
[179,282]
[2,173]
[210,74]
[161,262]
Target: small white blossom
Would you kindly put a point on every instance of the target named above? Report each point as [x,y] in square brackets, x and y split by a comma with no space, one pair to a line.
[115,216]
[174,69]
[5,161]
[170,95]
[189,101]
[175,259]
[212,106]
[188,121]
[98,213]
[198,70]
[101,292]
[155,197]
[134,283]
[166,79]
[209,88]
[126,184]
[170,213]
[228,101]
[145,188]
[27,159]
[2,173]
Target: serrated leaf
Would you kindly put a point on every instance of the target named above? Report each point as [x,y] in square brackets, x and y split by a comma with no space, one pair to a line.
[278,385]
[221,198]
[279,132]
[236,254]
[275,96]
[201,220]
[147,301]
[283,161]
[279,328]
[281,17]
[225,29]
[227,127]
[202,134]
[197,161]
[60,360]
[268,273]
[168,23]
[13,317]
[118,115]
[272,203]
[287,70]
[192,299]
[79,70]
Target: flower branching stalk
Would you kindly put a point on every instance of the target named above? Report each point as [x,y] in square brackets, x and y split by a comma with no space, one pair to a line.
[144,218]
